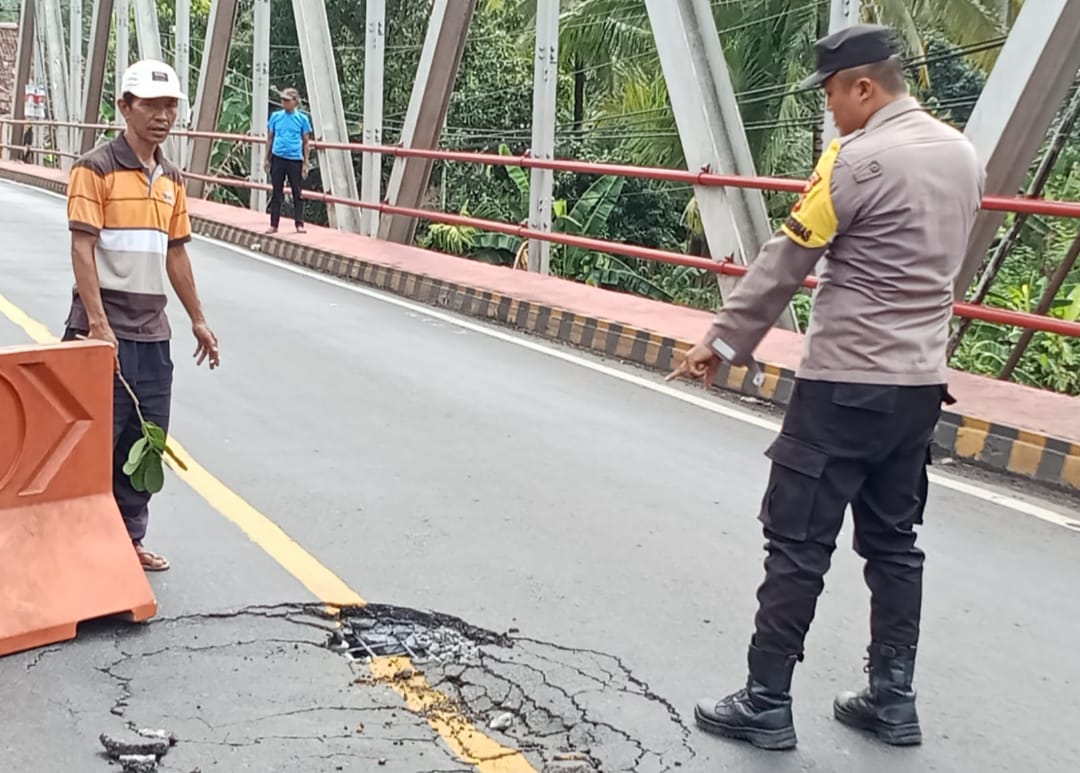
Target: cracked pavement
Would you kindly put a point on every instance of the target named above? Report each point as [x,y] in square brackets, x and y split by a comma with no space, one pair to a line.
[607,530]
[260,689]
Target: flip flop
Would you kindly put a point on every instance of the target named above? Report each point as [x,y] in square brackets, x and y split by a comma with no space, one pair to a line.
[151,562]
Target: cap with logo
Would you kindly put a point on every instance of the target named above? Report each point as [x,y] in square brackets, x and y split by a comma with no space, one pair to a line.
[854,46]
[150,79]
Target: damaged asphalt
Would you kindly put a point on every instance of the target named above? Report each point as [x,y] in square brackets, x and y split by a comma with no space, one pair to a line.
[267,689]
[609,532]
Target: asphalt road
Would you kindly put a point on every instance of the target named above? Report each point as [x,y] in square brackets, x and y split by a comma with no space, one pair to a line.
[436,468]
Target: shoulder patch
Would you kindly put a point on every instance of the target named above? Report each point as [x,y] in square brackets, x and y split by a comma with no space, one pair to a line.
[866,170]
[813,222]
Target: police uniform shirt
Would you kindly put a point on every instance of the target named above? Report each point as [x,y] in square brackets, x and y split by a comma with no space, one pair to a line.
[890,207]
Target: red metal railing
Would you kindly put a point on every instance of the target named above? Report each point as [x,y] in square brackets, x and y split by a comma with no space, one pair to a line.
[962,309]
[1018,204]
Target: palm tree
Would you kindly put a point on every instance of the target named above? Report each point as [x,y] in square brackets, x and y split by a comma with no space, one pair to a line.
[608,46]
[963,22]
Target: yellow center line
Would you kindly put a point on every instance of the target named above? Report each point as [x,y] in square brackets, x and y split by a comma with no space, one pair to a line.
[443,714]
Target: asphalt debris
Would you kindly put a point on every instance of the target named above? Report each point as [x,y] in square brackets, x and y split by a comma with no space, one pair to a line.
[377,631]
[138,750]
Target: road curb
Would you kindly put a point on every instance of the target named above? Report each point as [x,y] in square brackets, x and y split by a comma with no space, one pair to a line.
[1032,456]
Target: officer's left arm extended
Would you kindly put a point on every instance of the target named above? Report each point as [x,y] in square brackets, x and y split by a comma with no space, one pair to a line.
[785,260]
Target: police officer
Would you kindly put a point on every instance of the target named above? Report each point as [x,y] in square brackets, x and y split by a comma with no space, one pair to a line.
[890,206]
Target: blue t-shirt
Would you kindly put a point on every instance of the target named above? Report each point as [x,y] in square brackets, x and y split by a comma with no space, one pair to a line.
[289,130]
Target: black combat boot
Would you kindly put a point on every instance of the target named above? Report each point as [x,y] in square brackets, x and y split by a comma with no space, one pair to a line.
[887,706]
[759,713]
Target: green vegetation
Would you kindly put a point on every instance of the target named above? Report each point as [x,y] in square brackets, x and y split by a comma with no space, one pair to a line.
[612,105]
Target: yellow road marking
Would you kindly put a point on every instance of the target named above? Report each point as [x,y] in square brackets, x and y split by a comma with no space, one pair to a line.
[37,332]
[468,743]
[323,584]
[441,713]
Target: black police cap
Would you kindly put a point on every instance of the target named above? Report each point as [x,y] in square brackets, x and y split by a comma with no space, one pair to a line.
[854,46]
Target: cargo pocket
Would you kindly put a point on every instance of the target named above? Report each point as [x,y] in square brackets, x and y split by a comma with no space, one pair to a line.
[924,485]
[789,499]
[866,397]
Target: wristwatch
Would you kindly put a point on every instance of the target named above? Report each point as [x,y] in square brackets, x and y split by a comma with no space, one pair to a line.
[726,353]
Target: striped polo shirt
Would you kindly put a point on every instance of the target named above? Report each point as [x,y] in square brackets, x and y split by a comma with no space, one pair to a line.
[137,215]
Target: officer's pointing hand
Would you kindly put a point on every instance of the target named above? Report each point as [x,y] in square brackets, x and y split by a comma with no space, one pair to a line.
[701,362]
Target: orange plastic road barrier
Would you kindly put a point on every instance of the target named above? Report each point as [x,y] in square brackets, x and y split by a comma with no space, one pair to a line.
[65,555]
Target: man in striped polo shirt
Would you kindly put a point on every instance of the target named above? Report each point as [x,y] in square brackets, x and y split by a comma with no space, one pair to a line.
[127,212]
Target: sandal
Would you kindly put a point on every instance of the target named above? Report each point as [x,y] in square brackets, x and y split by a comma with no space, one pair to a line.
[301,230]
[151,562]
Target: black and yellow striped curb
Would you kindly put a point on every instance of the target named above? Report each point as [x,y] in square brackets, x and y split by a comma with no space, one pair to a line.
[1001,448]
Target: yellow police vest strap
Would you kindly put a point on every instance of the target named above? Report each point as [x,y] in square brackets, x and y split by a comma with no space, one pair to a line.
[813,222]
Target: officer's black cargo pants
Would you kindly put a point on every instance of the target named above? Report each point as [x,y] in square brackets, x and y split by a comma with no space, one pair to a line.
[841,444]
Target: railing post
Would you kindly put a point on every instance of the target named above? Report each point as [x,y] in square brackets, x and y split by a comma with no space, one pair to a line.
[182,65]
[122,10]
[842,14]
[374,85]
[56,65]
[75,72]
[545,83]
[24,63]
[260,92]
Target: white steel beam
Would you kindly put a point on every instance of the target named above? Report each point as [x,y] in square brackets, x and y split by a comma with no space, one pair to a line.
[260,93]
[148,39]
[56,64]
[842,14]
[122,31]
[328,114]
[147,32]
[545,85]
[182,65]
[1028,85]
[440,60]
[215,62]
[736,222]
[75,69]
[24,66]
[97,60]
[374,86]
[40,76]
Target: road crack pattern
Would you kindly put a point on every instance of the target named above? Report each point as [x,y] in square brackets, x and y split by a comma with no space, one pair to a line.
[279,688]
[546,699]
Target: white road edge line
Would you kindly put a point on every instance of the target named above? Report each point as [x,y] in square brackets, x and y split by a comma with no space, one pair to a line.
[984,492]
[996,497]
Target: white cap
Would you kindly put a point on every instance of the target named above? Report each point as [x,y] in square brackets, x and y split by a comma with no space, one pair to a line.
[151,79]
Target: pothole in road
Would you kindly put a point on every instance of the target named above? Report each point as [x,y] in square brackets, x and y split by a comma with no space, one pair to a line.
[577,709]
[380,631]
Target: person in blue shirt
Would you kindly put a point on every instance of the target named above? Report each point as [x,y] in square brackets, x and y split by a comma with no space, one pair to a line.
[287,143]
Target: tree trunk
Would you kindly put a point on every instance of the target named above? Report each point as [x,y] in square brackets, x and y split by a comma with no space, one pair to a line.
[579,95]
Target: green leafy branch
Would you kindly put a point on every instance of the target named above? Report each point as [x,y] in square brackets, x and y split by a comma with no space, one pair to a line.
[144,462]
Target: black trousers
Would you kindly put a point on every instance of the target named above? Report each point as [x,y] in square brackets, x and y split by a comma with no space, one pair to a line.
[280,169]
[863,445]
[148,369]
